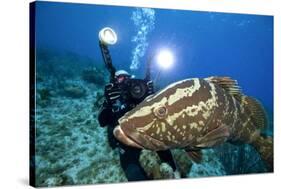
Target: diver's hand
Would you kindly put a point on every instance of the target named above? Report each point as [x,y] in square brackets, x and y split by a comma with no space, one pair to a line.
[112,93]
[150,87]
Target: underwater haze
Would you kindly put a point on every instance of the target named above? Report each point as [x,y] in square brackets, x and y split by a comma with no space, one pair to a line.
[71,147]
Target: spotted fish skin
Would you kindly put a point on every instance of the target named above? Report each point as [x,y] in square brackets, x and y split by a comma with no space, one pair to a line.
[192,114]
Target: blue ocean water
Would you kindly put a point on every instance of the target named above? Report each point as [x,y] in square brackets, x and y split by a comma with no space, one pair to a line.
[203,43]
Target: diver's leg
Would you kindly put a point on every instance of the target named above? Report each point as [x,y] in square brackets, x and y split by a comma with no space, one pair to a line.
[113,143]
[134,172]
[129,159]
[167,157]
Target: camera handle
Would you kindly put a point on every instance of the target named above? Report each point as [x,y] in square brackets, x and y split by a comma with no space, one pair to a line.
[107,60]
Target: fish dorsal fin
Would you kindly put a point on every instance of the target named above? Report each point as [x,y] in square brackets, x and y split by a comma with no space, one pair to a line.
[228,84]
[258,114]
[214,137]
[195,156]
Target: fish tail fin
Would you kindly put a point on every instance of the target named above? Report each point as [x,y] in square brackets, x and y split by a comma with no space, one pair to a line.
[264,145]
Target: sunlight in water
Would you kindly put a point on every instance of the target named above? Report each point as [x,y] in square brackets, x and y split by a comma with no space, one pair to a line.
[165,59]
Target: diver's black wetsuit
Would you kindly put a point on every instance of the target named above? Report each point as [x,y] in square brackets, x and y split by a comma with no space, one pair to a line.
[111,111]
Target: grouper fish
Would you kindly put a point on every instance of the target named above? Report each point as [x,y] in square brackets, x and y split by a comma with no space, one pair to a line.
[195,114]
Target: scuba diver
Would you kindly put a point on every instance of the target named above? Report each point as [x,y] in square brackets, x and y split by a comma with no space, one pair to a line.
[122,94]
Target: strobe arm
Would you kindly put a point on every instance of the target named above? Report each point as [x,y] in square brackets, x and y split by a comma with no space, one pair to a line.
[107,60]
[147,78]
[148,68]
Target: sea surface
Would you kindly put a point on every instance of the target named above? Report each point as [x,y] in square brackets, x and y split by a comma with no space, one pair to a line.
[71,147]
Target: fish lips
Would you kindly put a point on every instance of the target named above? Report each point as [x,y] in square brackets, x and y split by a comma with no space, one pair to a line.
[122,137]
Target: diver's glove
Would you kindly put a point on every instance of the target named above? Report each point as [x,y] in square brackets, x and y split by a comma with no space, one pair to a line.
[150,87]
[112,93]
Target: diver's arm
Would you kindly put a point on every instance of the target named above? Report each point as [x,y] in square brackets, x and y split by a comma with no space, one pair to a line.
[112,93]
[106,119]
[105,115]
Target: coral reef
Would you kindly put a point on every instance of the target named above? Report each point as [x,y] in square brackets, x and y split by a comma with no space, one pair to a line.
[62,65]
[209,166]
[94,75]
[150,162]
[71,147]
[240,159]
[43,96]
[74,91]
[182,161]
[166,171]
[155,169]
[99,100]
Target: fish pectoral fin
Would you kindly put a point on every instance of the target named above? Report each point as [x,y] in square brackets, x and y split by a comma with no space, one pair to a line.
[195,156]
[214,138]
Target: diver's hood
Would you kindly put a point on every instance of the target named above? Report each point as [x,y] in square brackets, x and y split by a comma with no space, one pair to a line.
[121,72]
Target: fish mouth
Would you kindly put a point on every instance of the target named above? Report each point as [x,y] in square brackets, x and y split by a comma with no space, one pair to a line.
[122,137]
[130,137]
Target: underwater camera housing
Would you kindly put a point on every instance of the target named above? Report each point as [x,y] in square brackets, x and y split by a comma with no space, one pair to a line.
[137,89]
[134,90]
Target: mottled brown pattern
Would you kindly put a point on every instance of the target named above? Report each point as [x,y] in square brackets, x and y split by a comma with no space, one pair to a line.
[228,111]
[228,116]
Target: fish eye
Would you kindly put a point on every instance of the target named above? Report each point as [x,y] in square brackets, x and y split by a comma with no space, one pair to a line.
[161,111]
